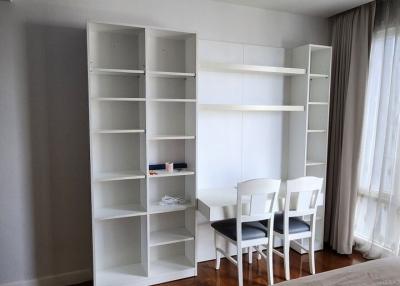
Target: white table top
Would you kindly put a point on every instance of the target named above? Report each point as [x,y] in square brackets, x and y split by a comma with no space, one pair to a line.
[218,204]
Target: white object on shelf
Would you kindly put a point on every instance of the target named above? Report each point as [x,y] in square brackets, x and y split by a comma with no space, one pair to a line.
[171,200]
[212,66]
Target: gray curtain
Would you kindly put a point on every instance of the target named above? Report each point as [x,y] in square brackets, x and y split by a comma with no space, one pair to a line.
[351,41]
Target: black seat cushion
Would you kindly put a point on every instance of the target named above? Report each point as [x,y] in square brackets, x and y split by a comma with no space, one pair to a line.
[250,230]
[296,225]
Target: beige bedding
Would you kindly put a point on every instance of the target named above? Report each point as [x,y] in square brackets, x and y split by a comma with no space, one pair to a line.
[380,272]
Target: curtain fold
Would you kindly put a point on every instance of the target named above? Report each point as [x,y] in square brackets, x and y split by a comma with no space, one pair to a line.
[377,227]
[351,40]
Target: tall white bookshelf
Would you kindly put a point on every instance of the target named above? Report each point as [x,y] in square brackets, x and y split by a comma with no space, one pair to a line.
[142,108]
[309,130]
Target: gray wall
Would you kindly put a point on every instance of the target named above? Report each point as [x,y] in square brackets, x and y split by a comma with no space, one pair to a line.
[45,225]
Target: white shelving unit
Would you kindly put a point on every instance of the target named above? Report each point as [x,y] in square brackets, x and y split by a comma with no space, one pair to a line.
[142,101]
[263,112]
[309,131]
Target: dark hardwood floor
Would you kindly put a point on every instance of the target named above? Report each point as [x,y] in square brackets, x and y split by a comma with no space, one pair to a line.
[256,274]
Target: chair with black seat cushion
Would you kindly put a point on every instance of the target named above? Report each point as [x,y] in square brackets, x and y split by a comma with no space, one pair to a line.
[300,200]
[255,202]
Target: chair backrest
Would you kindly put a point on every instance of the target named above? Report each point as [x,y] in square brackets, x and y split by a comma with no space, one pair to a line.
[261,196]
[305,192]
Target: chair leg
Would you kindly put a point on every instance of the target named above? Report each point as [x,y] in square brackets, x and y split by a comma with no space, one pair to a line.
[311,257]
[270,264]
[250,251]
[217,253]
[286,250]
[258,254]
[239,266]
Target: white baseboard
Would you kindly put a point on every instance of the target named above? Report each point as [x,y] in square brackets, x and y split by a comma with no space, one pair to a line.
[63,279]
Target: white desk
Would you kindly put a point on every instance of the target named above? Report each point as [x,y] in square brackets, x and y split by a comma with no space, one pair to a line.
[218,204]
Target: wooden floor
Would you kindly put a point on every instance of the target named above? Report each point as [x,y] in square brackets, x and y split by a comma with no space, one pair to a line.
[256,274]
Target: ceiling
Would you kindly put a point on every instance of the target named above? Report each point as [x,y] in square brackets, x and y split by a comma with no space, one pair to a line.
[320,8]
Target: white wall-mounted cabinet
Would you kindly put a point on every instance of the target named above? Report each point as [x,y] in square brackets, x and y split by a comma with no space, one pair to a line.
[142,101]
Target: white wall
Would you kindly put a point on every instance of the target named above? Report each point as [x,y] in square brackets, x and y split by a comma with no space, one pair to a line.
[44,149]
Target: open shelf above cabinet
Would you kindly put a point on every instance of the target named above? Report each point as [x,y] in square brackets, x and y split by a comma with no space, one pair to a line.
[233,107]
[211,66]
[169,236]
[119,211]
[116,71]
[117,176]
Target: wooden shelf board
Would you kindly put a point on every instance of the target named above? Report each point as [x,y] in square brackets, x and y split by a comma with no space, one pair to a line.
[119,211]
[172,137]
[313,163]
[121,275]
[211,66]
[233,107]
[170,265]
[118,98]
[116,71]
[163,173]
[169,236]
[118,176]
[117,131]
[171,74]
[155,208]
[172,100]
[317,75]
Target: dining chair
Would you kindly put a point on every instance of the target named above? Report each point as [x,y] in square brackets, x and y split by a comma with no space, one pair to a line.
[300,200]
[255,202]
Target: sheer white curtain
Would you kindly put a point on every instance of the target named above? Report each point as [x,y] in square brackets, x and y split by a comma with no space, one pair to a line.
[377,224]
